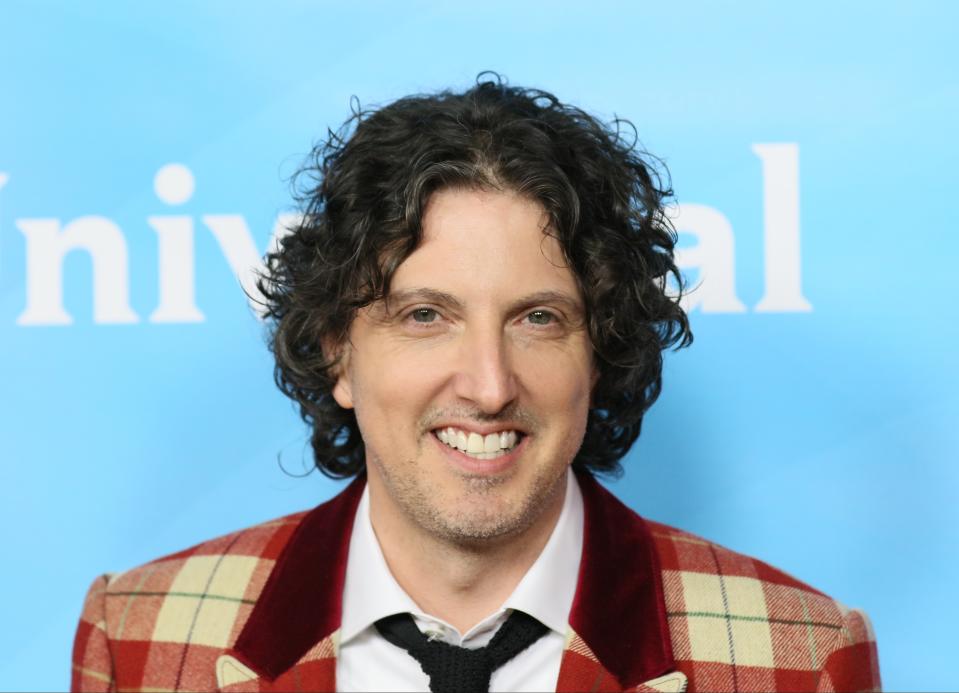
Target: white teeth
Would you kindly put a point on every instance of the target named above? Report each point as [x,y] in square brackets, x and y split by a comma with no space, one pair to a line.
[475,445]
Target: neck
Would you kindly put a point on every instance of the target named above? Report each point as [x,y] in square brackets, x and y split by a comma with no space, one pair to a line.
[459,582]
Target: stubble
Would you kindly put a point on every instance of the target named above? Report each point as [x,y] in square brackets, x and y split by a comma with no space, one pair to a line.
[478,513]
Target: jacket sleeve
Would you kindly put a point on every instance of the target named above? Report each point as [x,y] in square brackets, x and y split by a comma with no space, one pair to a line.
[854,666]
[92,662]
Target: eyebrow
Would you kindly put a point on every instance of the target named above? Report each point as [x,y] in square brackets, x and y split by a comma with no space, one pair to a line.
[428,295]
[424,295]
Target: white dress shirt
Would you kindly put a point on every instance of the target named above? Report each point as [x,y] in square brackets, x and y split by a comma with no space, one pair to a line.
[367,662]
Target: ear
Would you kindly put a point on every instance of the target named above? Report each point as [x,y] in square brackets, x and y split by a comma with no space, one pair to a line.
[593,379]
[343,387]
[343,391]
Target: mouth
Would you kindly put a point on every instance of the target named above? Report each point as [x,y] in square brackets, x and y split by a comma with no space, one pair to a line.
[479,446]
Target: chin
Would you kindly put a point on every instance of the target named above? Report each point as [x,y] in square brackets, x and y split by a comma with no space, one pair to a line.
[480,529]
[487,511]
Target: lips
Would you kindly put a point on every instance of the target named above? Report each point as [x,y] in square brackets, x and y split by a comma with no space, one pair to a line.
[482,463]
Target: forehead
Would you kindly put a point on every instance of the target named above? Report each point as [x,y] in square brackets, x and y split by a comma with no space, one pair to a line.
[486,244]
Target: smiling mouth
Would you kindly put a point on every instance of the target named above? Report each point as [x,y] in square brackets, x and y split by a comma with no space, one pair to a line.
[477,446]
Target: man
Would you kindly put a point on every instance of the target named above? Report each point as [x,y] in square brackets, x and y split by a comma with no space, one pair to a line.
[471,316]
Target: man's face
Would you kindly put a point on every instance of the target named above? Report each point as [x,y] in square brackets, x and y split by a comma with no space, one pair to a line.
[471,383]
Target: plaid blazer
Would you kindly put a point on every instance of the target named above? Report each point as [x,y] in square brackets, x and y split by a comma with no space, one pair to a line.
[655,608]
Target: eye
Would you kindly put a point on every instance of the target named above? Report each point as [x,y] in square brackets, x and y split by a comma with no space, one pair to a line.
[541,317]
[424,315]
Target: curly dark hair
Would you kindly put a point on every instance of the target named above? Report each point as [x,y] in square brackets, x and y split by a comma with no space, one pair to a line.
[364,191]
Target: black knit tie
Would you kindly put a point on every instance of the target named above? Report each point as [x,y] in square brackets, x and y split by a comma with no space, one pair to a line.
[455,669]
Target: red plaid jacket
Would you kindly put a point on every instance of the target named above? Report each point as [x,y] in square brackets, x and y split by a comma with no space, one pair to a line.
[656,608]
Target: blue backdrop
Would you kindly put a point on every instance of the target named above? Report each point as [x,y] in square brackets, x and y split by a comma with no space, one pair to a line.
[144,152]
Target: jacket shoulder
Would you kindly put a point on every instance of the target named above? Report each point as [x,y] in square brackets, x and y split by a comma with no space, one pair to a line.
[737,622]
[160,622]
[222,563]
[683,551]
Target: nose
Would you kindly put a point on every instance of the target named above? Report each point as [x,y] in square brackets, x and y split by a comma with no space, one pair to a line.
[484,373]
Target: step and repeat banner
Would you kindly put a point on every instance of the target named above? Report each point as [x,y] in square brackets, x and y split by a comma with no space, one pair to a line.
[146,151]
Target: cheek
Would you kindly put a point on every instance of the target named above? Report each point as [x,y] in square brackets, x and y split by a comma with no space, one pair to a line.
[560,381]
[391,390]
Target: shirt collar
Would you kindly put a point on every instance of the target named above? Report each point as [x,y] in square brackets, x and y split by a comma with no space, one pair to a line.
[545,592]
[370,592]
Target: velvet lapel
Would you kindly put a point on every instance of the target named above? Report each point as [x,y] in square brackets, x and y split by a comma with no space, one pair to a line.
[297,616]
[620,634]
